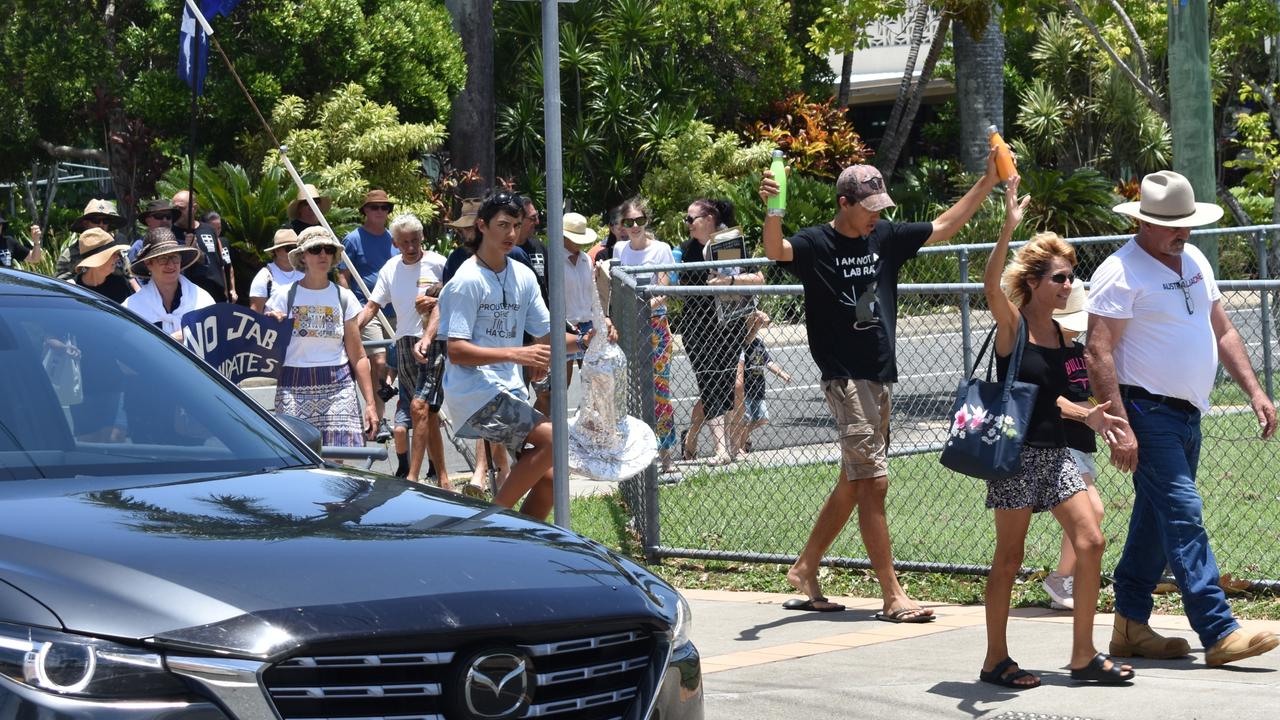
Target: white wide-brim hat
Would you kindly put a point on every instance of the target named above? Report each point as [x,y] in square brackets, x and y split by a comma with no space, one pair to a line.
[1073,317]
[1167,199]
[576,230]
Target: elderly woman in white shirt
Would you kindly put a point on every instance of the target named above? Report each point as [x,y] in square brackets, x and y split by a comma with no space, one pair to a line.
[163,301]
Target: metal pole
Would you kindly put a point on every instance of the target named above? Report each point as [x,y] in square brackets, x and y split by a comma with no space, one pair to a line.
[965,342]
[555,258]
[1260,242]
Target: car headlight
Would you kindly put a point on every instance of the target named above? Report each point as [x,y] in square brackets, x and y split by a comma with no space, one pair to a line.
[684,622]
[80,666]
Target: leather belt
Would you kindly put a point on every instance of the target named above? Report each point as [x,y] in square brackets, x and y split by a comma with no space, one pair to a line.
[1135,392]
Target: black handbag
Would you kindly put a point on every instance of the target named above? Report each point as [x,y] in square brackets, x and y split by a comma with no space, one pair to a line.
[989,419]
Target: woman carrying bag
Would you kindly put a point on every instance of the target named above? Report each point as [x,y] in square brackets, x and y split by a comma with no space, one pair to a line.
[326,352]
[1022,299]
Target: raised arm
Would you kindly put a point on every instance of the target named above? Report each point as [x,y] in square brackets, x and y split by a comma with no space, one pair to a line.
[776,247]
[946,225]
[1003,310]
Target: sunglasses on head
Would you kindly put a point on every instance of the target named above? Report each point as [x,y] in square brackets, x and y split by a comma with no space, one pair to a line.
[635,222]
[1060,278]
[691,219]
[322,250]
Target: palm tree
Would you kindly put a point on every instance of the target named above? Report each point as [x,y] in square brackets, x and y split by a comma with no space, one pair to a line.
[978,44]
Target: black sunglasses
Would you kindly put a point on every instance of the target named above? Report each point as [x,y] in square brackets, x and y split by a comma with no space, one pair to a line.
[1185,286]
[635,222]
[322,250]
[379,206]
[1060,278]
[691,219]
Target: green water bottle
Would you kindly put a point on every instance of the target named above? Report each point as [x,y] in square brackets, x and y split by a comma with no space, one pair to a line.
[777,204]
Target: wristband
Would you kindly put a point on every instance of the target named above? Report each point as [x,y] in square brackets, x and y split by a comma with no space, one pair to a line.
[582,346]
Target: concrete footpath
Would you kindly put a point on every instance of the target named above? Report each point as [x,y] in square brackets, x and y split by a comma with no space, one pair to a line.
[760,661]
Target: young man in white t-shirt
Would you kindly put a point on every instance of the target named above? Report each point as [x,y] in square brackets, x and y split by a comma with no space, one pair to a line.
[485,310]
[1157,329]
[410,283]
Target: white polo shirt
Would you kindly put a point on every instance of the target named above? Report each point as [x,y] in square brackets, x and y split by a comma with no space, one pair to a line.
[1164,348]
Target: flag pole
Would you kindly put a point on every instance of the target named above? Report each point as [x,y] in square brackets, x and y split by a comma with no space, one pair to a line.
[195,92]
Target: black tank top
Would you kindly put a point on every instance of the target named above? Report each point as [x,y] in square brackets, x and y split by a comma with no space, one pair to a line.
[1044,367]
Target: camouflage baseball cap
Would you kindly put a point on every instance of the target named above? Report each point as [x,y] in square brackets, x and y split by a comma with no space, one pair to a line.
[864,184]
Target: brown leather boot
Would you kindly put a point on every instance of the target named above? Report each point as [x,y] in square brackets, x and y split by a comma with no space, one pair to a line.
[1135,639]
[1238,646]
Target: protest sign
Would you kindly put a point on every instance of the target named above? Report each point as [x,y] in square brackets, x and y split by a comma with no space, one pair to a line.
[236,341]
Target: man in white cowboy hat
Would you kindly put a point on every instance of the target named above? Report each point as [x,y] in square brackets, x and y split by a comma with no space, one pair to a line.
[211,268]
[367,249]
[1157,329]
[97,213]
[277,273]
[12,250]
[410,282]
[163,301]
[301,216]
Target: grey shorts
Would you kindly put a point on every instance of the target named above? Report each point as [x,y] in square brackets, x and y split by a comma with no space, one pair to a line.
[861,410]
[505,419]
[1085,462]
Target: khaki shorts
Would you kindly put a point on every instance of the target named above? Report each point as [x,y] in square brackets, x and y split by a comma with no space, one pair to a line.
[861,410]
[374,331]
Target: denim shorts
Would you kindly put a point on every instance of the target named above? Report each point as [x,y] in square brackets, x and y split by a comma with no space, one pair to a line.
[1085,462]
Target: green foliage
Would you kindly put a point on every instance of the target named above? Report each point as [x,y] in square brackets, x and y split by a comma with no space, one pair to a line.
[351,144]
[1260,158]
[251,209]
[817,137]
[1071,204]
[65,66]
[841,24]
[696,163]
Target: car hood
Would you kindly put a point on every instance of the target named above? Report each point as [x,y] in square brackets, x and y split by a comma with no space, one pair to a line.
[256,565]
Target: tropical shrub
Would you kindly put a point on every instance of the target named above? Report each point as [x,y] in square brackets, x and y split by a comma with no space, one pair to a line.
[817,137]
[351,144]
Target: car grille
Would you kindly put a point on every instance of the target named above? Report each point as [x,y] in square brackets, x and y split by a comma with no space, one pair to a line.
[583,678]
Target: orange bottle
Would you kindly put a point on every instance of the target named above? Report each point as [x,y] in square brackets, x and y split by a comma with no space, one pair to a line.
[1005,166]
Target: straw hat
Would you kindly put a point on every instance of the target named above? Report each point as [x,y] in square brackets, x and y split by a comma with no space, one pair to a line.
[309,238]
[1168,199]
[153,248]
[467,216]
[97,247]
[99,208]
[576,230]
[285,237]
[1073,317]
[322,201]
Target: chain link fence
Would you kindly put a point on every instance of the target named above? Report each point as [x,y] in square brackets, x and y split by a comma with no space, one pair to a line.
[761,506]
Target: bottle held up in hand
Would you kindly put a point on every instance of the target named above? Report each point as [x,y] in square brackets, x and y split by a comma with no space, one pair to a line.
[777,204]
[1005,166]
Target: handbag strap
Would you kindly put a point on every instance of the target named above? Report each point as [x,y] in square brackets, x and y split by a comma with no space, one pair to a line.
[1015,360]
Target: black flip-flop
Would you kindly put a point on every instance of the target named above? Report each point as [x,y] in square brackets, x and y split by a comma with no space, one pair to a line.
[809,605]
[1096,672]
[1000,675]
[903,615]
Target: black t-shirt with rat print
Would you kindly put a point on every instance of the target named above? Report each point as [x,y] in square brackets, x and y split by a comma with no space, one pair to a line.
[851,295]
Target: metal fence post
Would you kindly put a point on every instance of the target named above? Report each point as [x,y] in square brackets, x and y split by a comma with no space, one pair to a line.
[1260,242]
[629,312]
[965,343]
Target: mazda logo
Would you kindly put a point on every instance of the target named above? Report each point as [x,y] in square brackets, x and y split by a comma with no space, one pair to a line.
[496,685]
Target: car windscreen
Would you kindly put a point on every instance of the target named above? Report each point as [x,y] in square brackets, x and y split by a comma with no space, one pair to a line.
[90,392]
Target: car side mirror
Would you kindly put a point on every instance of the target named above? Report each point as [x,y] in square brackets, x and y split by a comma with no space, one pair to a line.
[301,429]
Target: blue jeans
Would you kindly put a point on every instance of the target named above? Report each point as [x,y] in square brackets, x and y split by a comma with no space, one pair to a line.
[1167,526]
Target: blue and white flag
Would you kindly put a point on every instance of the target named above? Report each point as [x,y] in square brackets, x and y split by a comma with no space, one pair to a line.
[192,68]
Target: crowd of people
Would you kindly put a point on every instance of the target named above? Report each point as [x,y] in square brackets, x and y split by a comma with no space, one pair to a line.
[376,315]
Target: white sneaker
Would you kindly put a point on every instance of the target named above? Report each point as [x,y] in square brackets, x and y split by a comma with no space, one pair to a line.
[1059,588]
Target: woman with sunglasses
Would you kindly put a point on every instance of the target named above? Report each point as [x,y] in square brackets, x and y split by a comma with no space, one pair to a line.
[638,246]
[325,352]
[1024,295]
[713,345]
